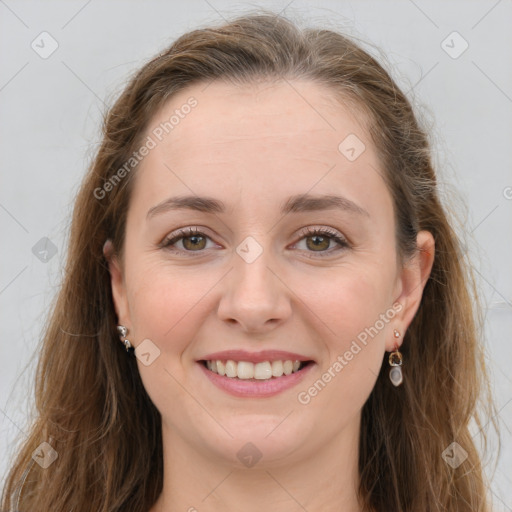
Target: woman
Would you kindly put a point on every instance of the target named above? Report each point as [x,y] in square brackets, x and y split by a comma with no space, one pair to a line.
[265,306]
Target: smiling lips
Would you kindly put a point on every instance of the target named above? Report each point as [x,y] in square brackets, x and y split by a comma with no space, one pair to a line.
[264,373]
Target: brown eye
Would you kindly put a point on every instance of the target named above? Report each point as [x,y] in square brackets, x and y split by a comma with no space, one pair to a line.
[192,240]
[319,240]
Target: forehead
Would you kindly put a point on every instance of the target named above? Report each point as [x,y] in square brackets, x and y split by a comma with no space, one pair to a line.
[278,114]
[255,140]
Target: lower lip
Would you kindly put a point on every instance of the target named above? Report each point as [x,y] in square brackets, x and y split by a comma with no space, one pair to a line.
[256,388]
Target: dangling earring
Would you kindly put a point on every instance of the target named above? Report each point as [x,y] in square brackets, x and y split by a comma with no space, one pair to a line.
[123,331]
[395,361]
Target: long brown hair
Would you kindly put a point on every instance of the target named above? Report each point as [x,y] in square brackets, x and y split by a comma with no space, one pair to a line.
[92,407]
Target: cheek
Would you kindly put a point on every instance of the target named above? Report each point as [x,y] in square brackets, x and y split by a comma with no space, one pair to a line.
[161,305]
[349,300]
[165,307]
[355,313]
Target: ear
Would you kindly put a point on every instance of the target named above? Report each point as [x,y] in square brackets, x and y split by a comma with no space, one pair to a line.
[411,281]
[117,283]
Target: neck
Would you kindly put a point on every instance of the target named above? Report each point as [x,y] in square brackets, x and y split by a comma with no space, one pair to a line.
[324,482]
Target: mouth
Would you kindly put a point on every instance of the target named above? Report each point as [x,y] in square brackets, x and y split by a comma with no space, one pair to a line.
[253,375]
[262,371]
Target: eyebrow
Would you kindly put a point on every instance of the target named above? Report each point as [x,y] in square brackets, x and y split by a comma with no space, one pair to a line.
[294,204]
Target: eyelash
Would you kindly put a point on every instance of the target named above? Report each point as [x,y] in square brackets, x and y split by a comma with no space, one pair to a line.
[308,232]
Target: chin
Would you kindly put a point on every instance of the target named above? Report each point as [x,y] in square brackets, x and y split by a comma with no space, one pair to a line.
[263,441]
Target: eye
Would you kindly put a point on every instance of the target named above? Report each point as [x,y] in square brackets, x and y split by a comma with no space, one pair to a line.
[192,239]
[318,240]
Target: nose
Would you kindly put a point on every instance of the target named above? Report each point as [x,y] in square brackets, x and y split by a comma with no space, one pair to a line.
[255,298]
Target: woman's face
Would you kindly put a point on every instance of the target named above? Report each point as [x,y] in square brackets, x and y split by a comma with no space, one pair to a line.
[252,284]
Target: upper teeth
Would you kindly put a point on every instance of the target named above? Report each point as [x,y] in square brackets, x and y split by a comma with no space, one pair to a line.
[247,370]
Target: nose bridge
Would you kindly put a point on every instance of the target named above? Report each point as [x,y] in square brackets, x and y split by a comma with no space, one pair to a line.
[252,277]
[251,263]
[254,297]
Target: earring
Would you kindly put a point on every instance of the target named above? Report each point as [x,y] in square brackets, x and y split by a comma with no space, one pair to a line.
[123,331]
[395,361]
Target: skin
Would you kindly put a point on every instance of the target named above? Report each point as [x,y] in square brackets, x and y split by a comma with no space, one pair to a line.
[252,147]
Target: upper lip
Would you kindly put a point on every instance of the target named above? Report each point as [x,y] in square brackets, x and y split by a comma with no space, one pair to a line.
[255,357]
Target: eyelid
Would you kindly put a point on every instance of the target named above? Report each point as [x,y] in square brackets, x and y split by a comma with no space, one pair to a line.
[313,230]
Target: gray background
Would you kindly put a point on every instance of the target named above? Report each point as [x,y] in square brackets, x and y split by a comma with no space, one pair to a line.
[49,128]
